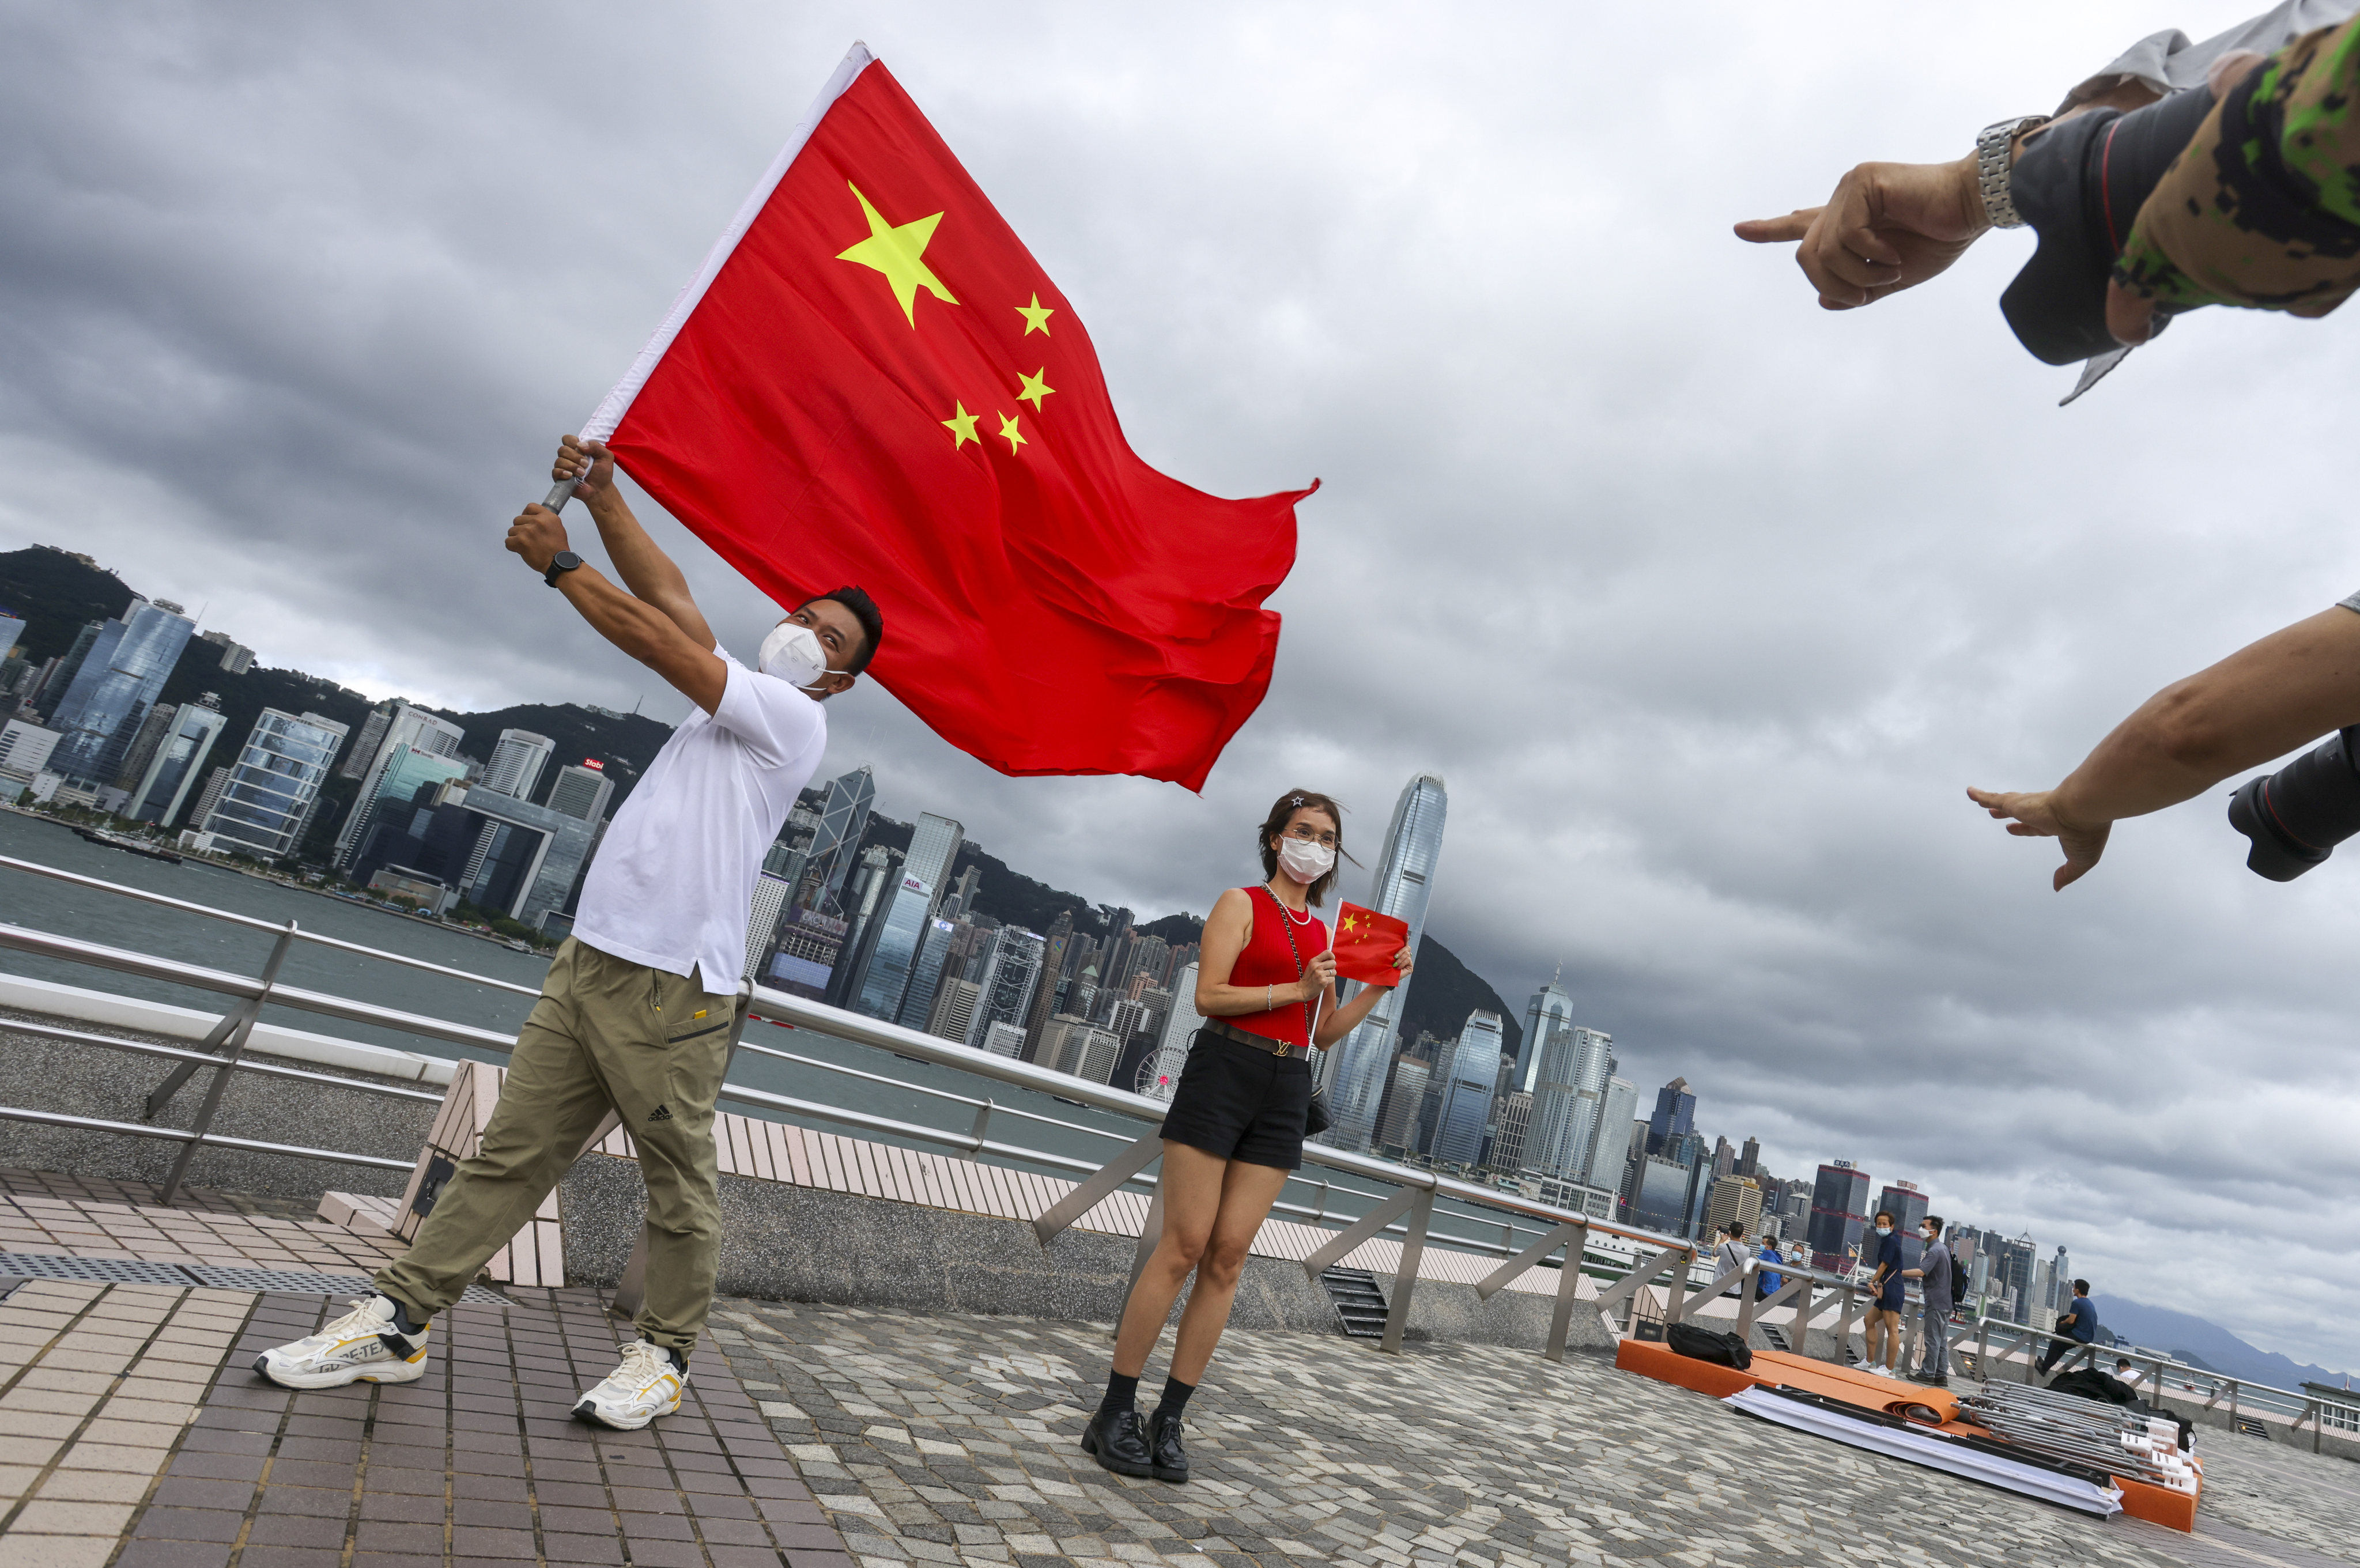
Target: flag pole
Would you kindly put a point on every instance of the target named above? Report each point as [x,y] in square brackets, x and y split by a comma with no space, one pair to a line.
[558,493]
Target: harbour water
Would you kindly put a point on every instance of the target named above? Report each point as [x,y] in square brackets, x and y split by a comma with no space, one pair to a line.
[44,904]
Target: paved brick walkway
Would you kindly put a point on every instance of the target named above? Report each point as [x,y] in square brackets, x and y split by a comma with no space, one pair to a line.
[954,1440]
[134,1433]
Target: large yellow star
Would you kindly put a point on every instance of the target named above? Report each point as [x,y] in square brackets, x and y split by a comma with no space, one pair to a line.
[1036,316]
[1008,430]
[961,425]
[1037,386]
[901,255]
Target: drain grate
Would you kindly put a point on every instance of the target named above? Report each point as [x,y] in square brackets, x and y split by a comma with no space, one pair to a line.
[103,1270]
[131,1272]
[292,1282]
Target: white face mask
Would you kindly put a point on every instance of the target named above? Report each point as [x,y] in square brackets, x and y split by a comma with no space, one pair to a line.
[792,653]
[1304,861]
[1884,1230]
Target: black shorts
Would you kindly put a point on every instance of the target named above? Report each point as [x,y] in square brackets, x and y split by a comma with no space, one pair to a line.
[1238,1103]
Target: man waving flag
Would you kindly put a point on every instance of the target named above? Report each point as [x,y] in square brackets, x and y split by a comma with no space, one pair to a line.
[872,381]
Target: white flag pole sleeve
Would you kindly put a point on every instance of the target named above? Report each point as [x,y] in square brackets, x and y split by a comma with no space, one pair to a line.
[618,403]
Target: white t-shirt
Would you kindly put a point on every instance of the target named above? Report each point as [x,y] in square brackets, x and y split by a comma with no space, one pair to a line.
[674,881]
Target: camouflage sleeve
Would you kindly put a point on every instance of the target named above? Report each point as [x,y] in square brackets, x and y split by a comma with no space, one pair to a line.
[2262,207]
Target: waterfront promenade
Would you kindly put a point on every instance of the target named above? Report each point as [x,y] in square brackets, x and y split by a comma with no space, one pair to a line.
[134,1435]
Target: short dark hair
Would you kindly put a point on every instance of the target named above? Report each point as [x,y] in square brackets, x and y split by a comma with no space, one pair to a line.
[1936,1221]
[2081,1286]
[1884,1214]
[1274,826]
[1736,1227]
[863,609]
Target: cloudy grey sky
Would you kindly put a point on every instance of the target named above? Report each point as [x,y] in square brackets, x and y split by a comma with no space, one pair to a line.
[1706,603]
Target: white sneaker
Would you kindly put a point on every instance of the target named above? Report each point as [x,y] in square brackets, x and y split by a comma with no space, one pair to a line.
[647,1384]
[366,1345]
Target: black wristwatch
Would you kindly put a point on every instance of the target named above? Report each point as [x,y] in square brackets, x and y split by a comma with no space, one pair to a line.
[563,560]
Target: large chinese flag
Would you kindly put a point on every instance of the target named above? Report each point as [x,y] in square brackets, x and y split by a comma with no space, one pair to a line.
[872,382]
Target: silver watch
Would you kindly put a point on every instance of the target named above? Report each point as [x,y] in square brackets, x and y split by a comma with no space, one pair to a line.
[1992,167]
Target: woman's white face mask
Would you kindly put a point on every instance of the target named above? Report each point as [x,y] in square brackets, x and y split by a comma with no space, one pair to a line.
[792,653]
[1304,861]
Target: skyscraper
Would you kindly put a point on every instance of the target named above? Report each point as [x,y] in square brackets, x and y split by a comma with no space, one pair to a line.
[933,844]
[581,792]
[1400,885]
[178,763]
[893,949]
[1006,994]
[127,667]
[1044,995]
[516,764]
[422,733]
[1549,1009]
[925,974]
[1511,1120]
[267,793]
[68,669]
[1609,1145]
[1466,1107]
[1569,1072]
[762,917]
[1675,1115]
[1405,1098]
[843,819]
[362,755]
[1839,1212]
[1161,1075]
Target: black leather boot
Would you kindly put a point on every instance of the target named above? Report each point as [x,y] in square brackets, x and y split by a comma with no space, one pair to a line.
[1118,1441]
[1164,1448]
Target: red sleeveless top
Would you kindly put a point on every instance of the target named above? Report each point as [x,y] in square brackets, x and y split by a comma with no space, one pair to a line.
[1265,961]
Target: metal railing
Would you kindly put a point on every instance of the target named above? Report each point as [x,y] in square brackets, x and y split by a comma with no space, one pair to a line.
[1401,1199]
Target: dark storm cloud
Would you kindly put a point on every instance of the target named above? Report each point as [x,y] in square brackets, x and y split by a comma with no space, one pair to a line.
[1706,603]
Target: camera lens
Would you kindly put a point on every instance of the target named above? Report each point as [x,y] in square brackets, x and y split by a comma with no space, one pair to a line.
[2298,815]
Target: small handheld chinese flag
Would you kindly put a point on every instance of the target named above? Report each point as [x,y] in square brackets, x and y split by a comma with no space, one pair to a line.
[873,383]
[1365,944]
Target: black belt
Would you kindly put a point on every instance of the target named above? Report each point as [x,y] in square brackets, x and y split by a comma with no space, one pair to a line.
[1219,1030]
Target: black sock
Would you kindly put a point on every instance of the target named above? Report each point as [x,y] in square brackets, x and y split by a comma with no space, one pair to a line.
[679,1362]
[403,1323]
[1123,1394]
[1176,1398]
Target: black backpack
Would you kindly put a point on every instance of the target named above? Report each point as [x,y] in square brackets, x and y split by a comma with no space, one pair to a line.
[1706,1345]
[1958,1280]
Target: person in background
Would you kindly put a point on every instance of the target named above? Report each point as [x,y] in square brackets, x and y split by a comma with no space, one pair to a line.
[1933,1275]
[2079,1321]
[1730,1255]
[1767,1283]
[1882,1332]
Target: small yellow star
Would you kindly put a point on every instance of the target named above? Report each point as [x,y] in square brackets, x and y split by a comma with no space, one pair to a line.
[1037,386]
[1008,433]
[961,425]
[1036,316]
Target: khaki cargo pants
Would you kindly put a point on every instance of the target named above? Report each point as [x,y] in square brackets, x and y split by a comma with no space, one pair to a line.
[606,1032]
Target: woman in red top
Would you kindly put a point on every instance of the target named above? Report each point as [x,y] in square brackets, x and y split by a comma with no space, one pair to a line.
[1266,986]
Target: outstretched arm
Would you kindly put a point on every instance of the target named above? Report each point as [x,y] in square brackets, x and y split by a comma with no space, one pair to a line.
[648,572]
[2261,701]
[653,636]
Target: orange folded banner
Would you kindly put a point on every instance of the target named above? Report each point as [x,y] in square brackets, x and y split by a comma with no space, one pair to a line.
[1365,944]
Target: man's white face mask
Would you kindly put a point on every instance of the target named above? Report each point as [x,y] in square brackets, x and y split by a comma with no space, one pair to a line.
[792,653]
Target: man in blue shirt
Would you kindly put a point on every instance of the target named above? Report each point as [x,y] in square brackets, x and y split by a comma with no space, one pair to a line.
[1882,1333]
[2080,1320]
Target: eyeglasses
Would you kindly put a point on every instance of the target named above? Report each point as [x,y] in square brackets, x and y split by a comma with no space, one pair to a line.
[1310,834]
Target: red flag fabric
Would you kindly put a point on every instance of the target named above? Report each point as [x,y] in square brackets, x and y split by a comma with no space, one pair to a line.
[873,382]
[1366,942]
